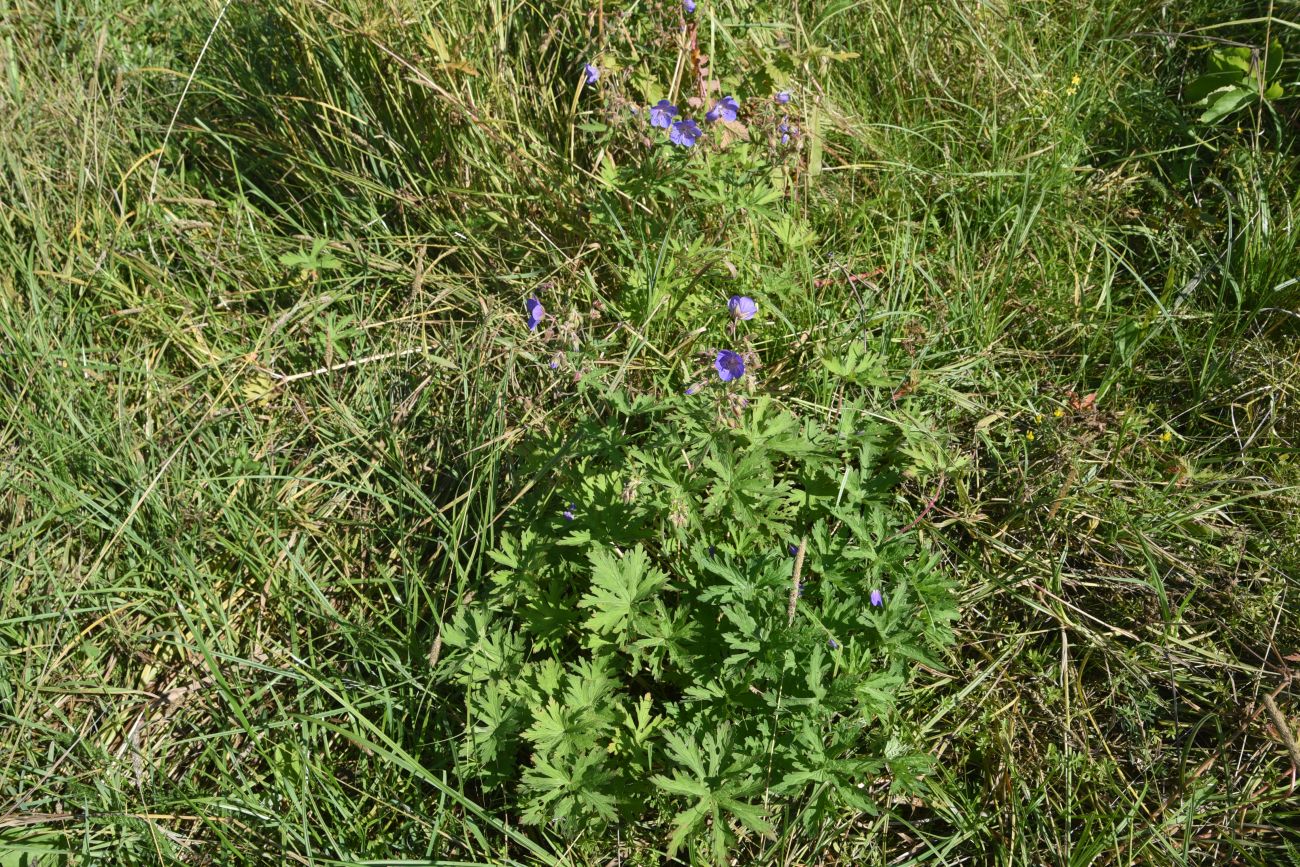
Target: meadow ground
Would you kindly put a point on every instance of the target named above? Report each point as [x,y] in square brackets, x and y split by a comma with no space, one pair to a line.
[286,574]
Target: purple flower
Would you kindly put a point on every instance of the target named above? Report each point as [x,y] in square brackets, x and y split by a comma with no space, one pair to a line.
[833,644]
[692,389]
[536,312]
[662,114]
[568,513]
[685,133]
[688,6]
[729,365]
[783,97]
[593,74]
[877,599]
[726,108]
[742,307]
[786,131]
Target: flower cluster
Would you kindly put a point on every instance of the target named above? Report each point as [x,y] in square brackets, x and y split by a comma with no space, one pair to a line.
[686,132]
[785,129]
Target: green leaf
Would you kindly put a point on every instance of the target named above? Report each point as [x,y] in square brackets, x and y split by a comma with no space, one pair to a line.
[554,727]
[863,366]
[679,785]
[1231,58]
[876,693]
[1273,63]
[620,590]
[1208,83]
[319,259]
[687,822]
[1226,103]
[793,232]
[750,815]
[564,790]
[686,752]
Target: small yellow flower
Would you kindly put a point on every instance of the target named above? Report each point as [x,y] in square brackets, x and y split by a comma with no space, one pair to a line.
[1029,435]
[1071,91]
[1058,412]
[1166,437]
[1038,419]
[1075,79]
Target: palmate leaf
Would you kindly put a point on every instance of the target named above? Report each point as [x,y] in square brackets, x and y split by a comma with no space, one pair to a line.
[688,821]
[833,768]
[877,692]
[557,728]
[590,686]
[549,614]
[641,725]
[621,591]
[749,815]
[711,809]
[496,718]
[679,785]
[685,751]
[319,259]
[862,366]
[477,649]
[569,791]
[667,640]
[722,784]
[745,492]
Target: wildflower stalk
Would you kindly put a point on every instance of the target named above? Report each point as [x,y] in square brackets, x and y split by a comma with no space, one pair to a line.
[436,651]
[1283,730]
[794,581]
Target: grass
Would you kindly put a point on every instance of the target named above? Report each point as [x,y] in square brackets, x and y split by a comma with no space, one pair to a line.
[266,399]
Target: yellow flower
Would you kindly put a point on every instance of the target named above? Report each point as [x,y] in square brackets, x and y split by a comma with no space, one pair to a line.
[1038,419]
[1058,412]
[1070,91]
[1075,79]
[1166,437]
[1029,435]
